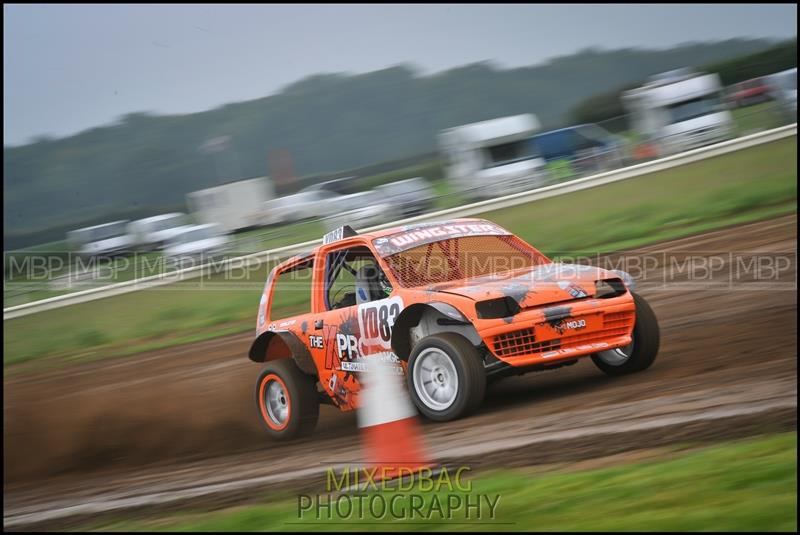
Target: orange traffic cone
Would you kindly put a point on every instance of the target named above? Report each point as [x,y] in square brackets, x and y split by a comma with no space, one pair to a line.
[388,421]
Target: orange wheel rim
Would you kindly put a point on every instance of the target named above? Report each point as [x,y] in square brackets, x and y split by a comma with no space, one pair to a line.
[274,402]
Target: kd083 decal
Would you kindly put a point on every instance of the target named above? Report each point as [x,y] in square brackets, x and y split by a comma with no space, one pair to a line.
[374,336]
[375,323]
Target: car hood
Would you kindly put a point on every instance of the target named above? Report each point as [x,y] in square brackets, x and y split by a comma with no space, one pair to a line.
[548,283]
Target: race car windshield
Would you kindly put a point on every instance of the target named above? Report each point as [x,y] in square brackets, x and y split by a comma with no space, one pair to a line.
[458,258]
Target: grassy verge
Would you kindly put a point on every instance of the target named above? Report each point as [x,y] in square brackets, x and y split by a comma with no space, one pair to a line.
[746,185]
[742,186]
[749,485]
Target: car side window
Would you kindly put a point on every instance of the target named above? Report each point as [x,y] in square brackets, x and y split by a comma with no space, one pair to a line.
[291,292]
[353,276]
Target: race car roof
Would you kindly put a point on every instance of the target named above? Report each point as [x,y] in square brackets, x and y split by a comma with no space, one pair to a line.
[398,239]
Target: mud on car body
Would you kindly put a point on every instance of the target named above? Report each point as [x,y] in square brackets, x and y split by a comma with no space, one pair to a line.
[452,305]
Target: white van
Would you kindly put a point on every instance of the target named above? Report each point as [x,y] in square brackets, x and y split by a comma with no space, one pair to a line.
[107,239]
[151,233]
[493,158]
[412,196]
[197,244]
[679,110]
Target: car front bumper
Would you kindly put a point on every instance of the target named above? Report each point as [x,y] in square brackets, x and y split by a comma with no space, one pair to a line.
[560,331]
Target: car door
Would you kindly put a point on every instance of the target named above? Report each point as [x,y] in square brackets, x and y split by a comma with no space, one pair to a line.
[349,331]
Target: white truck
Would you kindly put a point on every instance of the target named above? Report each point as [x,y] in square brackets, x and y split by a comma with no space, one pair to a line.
[108,239]
[151,233]
[233,206]
[365,207]
[197,244]
[494,157]
[679,110]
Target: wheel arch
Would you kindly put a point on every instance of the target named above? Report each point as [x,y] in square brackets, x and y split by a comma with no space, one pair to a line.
[275,345]
[448,317]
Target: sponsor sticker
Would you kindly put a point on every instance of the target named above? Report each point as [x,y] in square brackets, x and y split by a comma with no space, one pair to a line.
[365,364]
[423,234]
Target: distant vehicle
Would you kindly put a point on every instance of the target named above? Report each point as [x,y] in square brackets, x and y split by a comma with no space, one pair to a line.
[108,239]
[749,92]
[360,210]
[314,203]
[234,206]
[276,211]
[412,196]
[679,110]
[783,88]
[340,186]
[494,157]
[197,243]
[151,233]
[585,147]
[306,204]
[365,215]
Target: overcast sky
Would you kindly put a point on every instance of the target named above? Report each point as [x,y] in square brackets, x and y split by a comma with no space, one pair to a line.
[68,68]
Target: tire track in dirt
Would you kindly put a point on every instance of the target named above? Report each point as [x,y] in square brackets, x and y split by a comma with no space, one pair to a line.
[718,413]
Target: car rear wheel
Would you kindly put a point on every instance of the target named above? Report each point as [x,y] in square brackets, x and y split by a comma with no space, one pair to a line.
[641,352]
[445,377]
[286,400]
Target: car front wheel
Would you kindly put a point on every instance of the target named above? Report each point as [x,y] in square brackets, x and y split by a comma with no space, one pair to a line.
[641,352]
[445,377]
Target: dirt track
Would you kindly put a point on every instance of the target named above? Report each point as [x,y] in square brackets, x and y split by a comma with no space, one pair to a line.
[190,409]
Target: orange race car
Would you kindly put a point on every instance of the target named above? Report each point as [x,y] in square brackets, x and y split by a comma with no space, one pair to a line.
[451,304]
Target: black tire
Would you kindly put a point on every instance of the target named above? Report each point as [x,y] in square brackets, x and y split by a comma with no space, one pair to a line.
[300,395]
[467,363]
[646,339]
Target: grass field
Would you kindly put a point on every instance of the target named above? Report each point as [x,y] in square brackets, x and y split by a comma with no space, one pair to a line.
[746,185]
[748,485]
